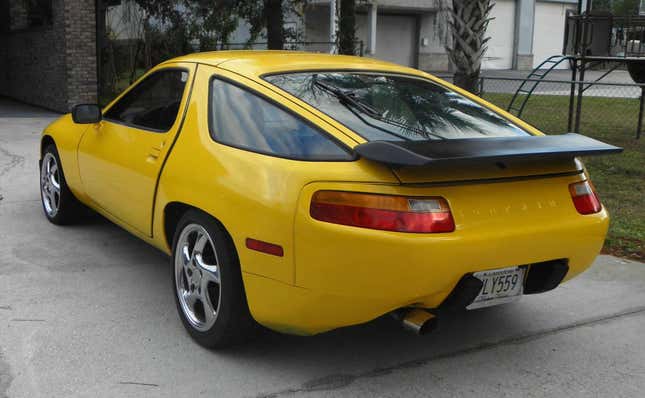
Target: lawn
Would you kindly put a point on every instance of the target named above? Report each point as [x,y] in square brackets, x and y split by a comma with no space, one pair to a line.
[619,179]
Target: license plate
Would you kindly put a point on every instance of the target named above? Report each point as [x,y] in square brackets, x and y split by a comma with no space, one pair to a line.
[499,286]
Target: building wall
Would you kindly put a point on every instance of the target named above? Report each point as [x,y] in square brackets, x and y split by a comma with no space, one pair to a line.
[549,31]
[399,28]
[396,37]
[432,52]
[53,66]
[80,52]
[502,34]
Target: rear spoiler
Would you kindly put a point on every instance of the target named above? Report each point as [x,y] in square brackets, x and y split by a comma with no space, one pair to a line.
[431,152]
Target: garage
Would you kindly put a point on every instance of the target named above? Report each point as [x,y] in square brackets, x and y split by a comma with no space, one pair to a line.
[501,30]
[548,33]
[395,38]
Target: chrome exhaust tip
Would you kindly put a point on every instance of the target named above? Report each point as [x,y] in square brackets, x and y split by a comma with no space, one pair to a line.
[419,321]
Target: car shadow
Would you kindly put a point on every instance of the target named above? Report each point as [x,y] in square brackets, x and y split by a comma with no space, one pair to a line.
[328,360]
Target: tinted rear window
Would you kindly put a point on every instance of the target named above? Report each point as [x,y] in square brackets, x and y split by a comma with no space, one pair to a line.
[242,119]
[395,107]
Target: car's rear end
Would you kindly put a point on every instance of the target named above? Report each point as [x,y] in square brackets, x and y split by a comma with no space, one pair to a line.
[518,222]
[460,230]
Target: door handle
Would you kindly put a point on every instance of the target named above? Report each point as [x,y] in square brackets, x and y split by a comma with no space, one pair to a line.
[155,152]
[159,147]
[153,155]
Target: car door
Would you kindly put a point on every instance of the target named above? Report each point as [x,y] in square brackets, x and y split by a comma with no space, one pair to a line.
[121,157]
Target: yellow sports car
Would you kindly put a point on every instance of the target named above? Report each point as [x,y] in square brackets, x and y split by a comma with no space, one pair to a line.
[308,192]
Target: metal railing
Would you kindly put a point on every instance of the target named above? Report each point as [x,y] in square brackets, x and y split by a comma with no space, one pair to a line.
[604,35]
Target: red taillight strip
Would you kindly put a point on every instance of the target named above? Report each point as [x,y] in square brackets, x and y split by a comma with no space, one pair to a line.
[584,196]
[264,247]
[382,212]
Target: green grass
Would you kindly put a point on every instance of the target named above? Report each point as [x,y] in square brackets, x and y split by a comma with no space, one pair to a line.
[619,179]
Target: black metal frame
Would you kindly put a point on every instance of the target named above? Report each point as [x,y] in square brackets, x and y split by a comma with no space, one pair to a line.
[578,45]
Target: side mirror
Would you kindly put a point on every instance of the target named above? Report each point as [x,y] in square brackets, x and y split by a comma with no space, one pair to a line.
[86,114]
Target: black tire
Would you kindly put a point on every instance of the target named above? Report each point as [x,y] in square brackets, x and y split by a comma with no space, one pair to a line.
[68,210]
[233,322]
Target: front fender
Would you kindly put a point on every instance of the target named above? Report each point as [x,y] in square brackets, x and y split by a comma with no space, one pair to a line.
[66,135]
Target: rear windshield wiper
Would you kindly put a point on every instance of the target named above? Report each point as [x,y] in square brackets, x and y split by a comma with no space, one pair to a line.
[350,100]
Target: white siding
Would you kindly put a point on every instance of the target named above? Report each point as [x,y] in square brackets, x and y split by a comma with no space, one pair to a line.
[501,30]
[548,33]
[395,37]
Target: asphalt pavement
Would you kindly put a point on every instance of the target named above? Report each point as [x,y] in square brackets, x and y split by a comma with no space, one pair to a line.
[87,311]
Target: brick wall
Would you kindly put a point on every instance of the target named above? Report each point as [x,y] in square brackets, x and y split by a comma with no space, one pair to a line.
[53,66]
[80,52]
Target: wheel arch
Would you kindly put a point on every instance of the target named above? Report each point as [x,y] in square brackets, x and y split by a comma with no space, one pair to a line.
[45,141]
[174,211]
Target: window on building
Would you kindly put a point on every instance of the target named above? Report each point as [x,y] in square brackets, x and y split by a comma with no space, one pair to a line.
[28,14]
[152,104]
[244,120]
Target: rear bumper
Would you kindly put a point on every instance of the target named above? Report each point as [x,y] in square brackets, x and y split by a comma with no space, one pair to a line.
[347,275]
[358,291]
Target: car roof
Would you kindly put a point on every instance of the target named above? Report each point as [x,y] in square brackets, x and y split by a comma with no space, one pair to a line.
[253,63]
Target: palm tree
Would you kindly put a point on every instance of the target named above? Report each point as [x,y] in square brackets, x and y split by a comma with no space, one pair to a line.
[468,22]
[274,24]
[347,27]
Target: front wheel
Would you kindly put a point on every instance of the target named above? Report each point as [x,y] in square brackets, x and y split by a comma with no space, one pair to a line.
[59,204]
[207,283]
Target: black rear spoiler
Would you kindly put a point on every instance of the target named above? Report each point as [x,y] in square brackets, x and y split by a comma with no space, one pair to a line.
[539,147]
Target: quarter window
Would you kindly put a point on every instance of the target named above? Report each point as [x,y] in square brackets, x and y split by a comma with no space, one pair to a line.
[242,119]
[154,103]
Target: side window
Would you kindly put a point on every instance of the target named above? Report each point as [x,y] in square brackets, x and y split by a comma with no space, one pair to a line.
[242,119]
[154,103]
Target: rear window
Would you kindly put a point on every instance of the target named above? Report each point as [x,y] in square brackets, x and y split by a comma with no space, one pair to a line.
[395,107]
[244,120]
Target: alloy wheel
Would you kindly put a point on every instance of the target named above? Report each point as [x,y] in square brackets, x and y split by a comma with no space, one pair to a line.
[197,277]
[50,188]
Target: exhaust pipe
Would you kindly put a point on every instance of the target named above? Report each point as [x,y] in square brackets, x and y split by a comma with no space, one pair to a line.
[419,321]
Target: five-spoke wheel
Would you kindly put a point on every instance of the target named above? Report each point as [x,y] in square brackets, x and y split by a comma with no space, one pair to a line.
[197,277]
[50,184]
[59,204]
[207,281]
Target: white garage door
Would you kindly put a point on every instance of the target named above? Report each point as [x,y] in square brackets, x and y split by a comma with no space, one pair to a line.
[548,33]
[501,30]
[395,37]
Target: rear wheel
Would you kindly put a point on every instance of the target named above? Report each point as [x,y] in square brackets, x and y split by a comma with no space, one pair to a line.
[207,281]
[59,204]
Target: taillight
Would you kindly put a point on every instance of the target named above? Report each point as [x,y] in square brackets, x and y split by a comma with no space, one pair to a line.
[585,198]
[384,212]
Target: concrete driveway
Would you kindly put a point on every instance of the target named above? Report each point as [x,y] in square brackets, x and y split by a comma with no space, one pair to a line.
[87,311]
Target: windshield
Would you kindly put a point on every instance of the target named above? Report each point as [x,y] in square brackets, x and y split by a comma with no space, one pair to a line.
[394,107]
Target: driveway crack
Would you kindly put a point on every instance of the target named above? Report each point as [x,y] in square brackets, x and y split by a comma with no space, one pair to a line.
[14,160]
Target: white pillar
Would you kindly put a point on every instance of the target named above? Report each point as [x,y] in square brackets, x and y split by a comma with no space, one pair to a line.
[333,25]
[371,24]
[524,25]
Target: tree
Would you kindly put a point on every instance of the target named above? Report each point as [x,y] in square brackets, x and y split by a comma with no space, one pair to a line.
[269,15]
[625,7]
[274,18]
[347,27]
[468,20]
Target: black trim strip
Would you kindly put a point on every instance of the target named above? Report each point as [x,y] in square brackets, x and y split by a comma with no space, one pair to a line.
[494,180]
[170,148]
